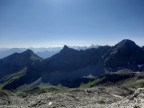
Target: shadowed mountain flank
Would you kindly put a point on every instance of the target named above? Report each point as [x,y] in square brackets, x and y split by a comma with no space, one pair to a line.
[125,54]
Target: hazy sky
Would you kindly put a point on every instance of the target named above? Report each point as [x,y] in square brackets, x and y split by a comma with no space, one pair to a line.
[51,23]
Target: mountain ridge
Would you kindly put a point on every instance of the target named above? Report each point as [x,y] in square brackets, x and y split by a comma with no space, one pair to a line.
[70,65]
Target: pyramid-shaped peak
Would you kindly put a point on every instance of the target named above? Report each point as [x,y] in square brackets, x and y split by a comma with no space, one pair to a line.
[65,47]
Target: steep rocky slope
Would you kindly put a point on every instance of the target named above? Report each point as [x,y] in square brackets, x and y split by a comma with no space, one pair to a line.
[70,64]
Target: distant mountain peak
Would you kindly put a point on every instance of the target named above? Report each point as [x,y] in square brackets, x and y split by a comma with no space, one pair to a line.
[126,42]
[28,51]
[29,54]
[65,47]
[124,53]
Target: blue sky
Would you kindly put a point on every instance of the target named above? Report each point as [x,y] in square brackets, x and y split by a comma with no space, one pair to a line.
[52,23]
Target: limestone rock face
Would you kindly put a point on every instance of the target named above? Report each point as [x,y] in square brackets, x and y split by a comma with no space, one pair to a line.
[134,101]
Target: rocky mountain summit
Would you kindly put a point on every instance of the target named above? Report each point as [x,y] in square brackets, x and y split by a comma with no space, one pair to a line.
[125,54]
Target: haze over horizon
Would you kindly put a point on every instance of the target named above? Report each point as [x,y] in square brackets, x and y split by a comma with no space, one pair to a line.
[54,23]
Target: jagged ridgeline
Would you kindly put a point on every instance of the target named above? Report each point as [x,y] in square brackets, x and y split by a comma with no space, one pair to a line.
[71,67]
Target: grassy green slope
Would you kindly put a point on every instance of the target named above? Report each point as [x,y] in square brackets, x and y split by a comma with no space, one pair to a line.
[11,78]
[135,80]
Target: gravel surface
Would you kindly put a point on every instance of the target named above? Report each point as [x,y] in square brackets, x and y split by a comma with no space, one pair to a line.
[97,97]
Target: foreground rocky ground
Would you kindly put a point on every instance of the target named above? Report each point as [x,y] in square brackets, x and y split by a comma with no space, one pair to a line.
[96,97]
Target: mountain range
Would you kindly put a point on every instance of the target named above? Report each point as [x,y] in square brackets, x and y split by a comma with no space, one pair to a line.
[42,52]
[70,67]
